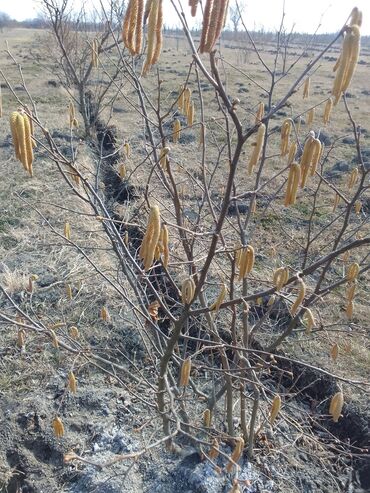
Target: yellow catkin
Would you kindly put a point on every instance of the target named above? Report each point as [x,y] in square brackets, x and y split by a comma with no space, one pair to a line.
[205,26]
[154,42]
[21,338]
[69,292]
[132,30]
[104,314]
[336,201]
[30,119]
[193,4]
[260,113]
[220,298]
[187,291]
[21,136]
[334,352]
[356,17]
[163,158]
[341,70]
[159,36]
[207,417]
[72,382]
[354,42]
[122,171]
[221,20]
[292,152]
[316,154]
[280,277]
[28,143]
[337,63]
[327,111]
[358,206]
[310,117]
[13,128]
[73,332]
[67,230]
[306,159]
[336,406]
[154,231]
[190,115]
[176,130]
[127,149]
[285,134]
[211,34]
[139,27]
[237,452]
[213,22]
[309,320]
[349,309]
[306,88]
[58,427]
[300,297]
[187,100]
[148,4]
[353,178]
[275,409]
[352,272]
[257,148]
[292,185]
[128,23]
[185,373]
[350,293]
[246,262]
[348,61]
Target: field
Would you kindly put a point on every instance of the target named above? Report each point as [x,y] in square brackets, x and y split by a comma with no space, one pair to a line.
[111,422]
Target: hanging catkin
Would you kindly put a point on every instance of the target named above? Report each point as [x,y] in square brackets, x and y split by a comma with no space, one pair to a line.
[22,139]
[213,22]
[292,186]
[132,31]
[257,148]
[154,45]
[193,4]
[347,61]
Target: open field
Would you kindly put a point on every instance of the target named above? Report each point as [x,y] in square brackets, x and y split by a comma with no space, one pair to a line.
[114,410]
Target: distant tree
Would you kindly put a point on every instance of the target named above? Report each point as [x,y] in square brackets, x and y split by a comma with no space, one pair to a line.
[5,20]
[236,10]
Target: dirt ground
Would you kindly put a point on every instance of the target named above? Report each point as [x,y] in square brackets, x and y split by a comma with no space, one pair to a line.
[107,416]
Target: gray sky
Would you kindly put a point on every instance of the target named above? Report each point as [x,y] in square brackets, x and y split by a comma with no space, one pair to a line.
[306,15]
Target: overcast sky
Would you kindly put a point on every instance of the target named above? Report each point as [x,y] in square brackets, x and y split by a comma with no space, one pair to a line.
[305,14]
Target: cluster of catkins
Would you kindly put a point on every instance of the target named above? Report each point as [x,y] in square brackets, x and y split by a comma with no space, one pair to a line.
[344,68]
[155,241]
[132,32]
[214,18]
[22,134]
